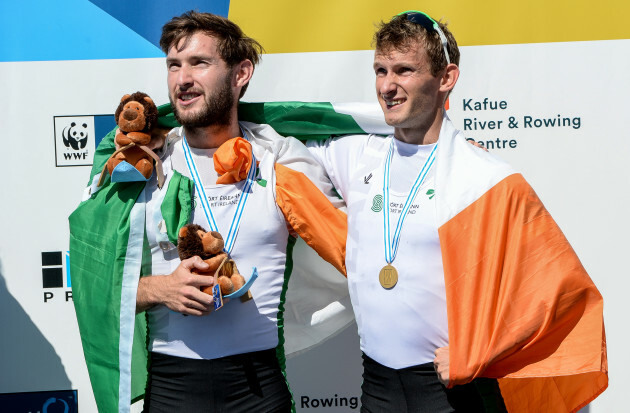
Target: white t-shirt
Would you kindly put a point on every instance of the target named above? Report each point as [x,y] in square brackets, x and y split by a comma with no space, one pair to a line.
[261,242]
[402,326]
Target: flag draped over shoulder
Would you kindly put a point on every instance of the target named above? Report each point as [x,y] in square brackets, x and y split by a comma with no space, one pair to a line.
[302,120]
[99,256]
[108,253]
[520,305]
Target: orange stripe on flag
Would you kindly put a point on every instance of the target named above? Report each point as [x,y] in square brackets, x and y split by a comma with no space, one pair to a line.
[520,305]
[322,226]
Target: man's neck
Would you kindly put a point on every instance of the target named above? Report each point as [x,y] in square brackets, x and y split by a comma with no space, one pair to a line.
[211,137]
[423,135]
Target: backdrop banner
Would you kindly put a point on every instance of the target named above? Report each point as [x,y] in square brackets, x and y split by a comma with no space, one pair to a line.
[543,86]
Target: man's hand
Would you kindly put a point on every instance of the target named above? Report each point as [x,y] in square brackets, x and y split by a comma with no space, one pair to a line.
[477,144]
[158,137]
[179,291]
[440,362]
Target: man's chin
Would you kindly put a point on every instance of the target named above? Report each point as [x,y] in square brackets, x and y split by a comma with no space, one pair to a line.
[188,110]
[187,117]
[391,121]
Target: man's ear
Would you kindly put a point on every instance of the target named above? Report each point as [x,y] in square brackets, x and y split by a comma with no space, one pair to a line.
[243,73]
[449,78]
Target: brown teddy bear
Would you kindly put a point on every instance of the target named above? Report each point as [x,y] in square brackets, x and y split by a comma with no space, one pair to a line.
[135,116]
[194,240]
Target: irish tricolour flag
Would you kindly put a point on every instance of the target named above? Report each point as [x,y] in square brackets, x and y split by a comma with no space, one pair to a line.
[521,307]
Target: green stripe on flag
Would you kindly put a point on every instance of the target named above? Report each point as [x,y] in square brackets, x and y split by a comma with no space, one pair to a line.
[99,231]
[288,269]
[102,153]
[302,120]
[177,206]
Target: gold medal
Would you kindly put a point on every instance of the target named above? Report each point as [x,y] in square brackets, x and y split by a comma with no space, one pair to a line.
[388,277]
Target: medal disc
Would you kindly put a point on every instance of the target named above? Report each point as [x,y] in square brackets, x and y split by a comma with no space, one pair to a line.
[388,277]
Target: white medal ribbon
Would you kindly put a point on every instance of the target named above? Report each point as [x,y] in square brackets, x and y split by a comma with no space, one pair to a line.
[391,245]
[236,220]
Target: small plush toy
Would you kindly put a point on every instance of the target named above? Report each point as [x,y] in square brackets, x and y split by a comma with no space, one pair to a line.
[135,116]
[194,240]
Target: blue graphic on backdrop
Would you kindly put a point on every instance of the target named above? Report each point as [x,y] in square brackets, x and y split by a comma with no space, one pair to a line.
[103,124]
[88,30]
[146,17]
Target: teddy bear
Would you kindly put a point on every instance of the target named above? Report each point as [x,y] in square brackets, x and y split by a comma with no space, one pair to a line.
[135,116]
[194,240]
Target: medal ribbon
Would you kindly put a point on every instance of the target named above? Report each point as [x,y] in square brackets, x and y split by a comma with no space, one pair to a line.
[391,245]
[236,220]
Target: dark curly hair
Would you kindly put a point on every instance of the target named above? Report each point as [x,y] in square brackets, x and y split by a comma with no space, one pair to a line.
[232,44]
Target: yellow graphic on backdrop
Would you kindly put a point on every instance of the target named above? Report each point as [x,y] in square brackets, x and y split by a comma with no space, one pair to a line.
[284,26]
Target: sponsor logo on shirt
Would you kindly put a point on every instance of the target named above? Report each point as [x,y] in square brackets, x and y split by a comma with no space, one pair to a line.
[377,203]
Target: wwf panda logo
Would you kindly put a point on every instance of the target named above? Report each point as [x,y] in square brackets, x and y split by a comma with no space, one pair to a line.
[75,136]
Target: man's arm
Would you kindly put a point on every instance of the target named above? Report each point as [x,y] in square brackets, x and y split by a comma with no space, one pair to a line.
[309,203]
[312,216]
[179,291]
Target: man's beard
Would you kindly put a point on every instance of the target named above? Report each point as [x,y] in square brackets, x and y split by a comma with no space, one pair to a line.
[217,109]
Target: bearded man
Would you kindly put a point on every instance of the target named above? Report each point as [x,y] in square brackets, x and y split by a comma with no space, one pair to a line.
[258,189]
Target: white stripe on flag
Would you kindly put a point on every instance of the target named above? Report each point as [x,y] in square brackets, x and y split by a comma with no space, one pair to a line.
[131,275]
[368,116]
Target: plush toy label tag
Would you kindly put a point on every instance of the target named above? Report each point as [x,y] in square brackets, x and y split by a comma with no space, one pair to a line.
[217,297]
[245,287]
[125,172]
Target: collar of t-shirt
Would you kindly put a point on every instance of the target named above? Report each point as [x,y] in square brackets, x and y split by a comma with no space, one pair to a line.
[203,159]
[407,161]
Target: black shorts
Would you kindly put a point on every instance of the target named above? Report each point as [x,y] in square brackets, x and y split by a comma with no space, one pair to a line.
[417,389]
[251,382]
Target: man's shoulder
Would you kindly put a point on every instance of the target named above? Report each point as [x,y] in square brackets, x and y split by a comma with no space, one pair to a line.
[472,156]
[267,142]
[260,130]
[265,135]
[350,144]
